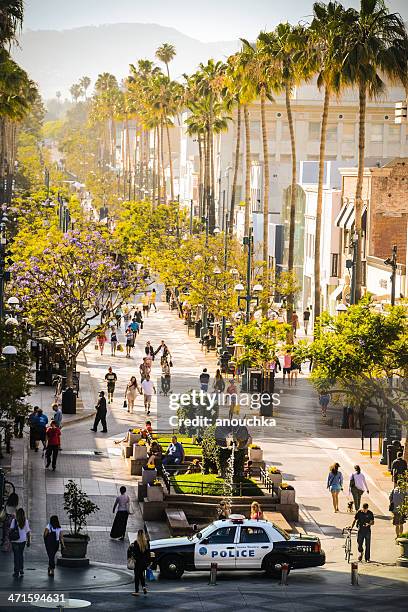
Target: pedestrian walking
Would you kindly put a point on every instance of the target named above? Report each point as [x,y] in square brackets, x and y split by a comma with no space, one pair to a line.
[364,519]
[118,316]
[324,399]
[130,393]
[130,341]
[122,508]
[101,411]
[100,340]
[20,537]
[219,383]
[295,369]
[397,498]
[53,539]
[231,397]
[256,511]
[40,425]
[295,323]
[165,378]
[57,415]
[163,352]
[10,510]
[138,555]
[32,425]
[357,486]
[19,422]
[111,379]
[145,304]
[306,319]
[204,380]
[149,351]
[139,317]
[53,436]
[134,326]
[148,389]
[144,369]
[152,300]
[335,484]
[287,367]
[398,467]
[113,341]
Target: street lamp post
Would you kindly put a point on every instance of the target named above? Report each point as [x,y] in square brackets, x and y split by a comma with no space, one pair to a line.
[224,321]
[351,265]
[392,261]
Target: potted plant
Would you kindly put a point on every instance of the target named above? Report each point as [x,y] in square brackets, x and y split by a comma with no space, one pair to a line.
[275,475]
[155,491]
[402,560]
[78,507]
[286,493]
[255,453]
[140,450]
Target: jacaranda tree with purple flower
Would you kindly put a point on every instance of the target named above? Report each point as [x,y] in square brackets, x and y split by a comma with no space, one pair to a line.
[71,291]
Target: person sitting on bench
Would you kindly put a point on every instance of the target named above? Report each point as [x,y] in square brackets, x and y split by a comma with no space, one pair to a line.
[175,453]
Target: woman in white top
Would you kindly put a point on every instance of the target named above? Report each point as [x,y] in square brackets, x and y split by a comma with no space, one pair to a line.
[357,486]
[19,523]
[52,539]
[130,393]
[122,503]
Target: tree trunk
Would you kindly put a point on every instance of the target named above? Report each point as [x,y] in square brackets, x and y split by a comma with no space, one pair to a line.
[162,163]
[158,165]
[358,202]
[207,177]
[211,200]
[154,169]
[200,175]
[265,250]
[128,163]
[319,206]
[292,217]
[170,165]
[247,170]
[236,168]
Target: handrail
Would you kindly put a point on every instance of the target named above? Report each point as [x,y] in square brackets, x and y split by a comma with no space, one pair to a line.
[363,428]
[237,487]
[266,480]
[377,431]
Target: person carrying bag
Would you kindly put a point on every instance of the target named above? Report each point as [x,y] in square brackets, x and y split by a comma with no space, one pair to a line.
[138,560]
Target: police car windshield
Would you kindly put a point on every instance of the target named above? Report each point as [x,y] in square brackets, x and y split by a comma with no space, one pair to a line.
[205,532]
[282,532]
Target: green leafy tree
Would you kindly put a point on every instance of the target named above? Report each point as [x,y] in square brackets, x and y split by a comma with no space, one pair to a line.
[260,340]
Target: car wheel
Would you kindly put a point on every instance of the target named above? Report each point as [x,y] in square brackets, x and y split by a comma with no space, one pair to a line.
[171,566]
[271,564]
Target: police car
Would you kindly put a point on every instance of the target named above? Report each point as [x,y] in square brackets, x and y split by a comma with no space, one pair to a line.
[236,543]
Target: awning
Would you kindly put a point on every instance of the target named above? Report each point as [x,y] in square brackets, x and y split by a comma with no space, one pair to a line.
[334,295]
[344,215]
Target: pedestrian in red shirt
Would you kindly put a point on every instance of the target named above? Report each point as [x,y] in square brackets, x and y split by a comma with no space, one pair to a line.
[53,437]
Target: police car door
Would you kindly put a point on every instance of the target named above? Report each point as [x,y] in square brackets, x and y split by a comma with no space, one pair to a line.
[252,546]
[217,547]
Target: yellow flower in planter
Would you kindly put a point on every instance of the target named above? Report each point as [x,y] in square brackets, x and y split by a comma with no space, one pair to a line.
[286,486]
[274,470]
[135,431]
[254,446]
[150,466]
[141,443]
[155,483]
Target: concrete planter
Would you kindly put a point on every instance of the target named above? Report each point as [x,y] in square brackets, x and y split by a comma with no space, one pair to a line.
[155,493]
[74,552]
[148,476]
[133,438]
[402,560]
[276,479]
[127,451]
[256,454]
[139,452]
[287,496]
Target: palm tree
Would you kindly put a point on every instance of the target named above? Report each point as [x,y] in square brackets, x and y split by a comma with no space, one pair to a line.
[284,46]
[11,19]
[76,91]
[58,96]
[376,47]
[166,53]
[325,53]
[85,83]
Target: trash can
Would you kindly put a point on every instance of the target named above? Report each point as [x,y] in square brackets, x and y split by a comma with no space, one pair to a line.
[197,328]
[68,401]
[255,381]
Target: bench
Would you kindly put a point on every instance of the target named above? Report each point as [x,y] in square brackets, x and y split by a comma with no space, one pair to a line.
[279,520]
[177,522]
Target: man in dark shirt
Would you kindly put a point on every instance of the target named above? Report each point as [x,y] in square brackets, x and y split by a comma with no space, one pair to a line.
[306,319]
[101,411]
[111,379]
[398,467]
[364,519]
[204,380]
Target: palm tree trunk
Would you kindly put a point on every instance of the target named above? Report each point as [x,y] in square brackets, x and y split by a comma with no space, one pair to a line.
[207,205]
[236,168]
[358,203]
[162,163]
[128,162]
[170,165]
[200,175]
[319,206]
[158,165]
[211,199]
[265,253]
[154,169]
[247,171]
[291,253]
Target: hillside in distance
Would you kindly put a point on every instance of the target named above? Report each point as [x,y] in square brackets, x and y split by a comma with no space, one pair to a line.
[57,59]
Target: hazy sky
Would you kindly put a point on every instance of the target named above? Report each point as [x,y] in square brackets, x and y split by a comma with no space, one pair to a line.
[207,20]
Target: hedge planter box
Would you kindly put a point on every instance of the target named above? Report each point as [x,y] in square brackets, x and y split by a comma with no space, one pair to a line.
[139,452]
[256,454]
[133,438]
[155,492]
[287,496]
[127,451]
[276,479]
[402,560]
[148,476]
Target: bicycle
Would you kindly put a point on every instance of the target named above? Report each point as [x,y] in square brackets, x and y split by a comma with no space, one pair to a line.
[348,531]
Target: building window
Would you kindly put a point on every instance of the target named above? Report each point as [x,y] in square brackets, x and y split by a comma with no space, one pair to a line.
[334,264]
[314,130]
[394,133]
[285,132]
[331,135]
[348,132]
[376,132]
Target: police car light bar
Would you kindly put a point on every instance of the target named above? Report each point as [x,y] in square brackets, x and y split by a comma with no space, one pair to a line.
[237,518]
